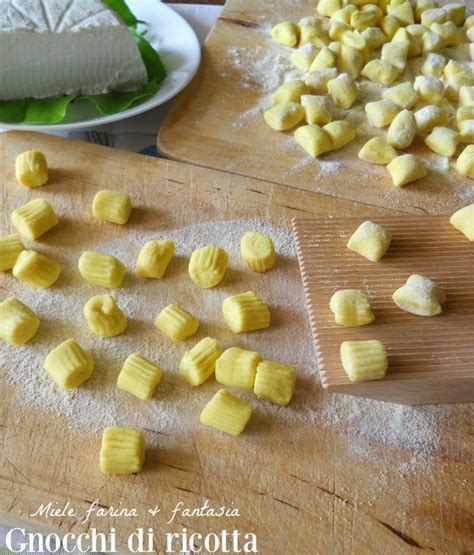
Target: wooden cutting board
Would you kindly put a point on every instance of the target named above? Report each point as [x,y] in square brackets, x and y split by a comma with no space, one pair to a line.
[431,359]
[216,123]
[306,486]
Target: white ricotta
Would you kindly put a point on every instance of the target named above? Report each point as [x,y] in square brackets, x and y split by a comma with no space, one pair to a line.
[61,47]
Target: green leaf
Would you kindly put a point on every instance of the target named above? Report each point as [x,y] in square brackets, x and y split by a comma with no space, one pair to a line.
[154,65]
[123,11]
[12,111]
[115,102]
[47,110]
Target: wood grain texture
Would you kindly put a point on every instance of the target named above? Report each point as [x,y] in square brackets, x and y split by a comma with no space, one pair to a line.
[208,126]
[431,359]
[302,488]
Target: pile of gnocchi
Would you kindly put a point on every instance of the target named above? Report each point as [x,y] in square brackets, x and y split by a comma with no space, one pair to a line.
[374,39]
[69,365]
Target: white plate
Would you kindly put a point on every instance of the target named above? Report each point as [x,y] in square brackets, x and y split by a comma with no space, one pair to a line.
[179,49]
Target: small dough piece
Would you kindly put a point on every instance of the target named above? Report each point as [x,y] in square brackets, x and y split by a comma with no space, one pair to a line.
[389,25]
[237,367]
[465,113]
[466,131]
[374,37]
[414,44]
[450,34]
[362,20]
[275,382]
[403,12]
[199,363]
[286,33]
[101,269]
[404,95]
[344,14]
[423,5]
[381,72]
[354,39]
[463,220]
[226,413]
[405,169]
[69,365]
[370,240]
[18,323]
[139,376]
[10,248]
[324,59]
[317,81]
[466,96]
[465,162]
[453,67]
[284,116]
[36,269]
[177,323]
[343,90]
[381,113]
[351,307]
[122,451]
[340,133]
[112,206]
[459,81]
[245,312]
[290,91]
[31,169]
[402,130]
[430,89]
[364,360]
[257,251]
[431,43]
[313,34]
[377,151]
[433,65]
[456,12]
[436,15]
[396,54]
[420,295]
[313,139]
[316,108]
[208,265]
[350,61]
[34,218]
[337,29]
[443,140]
[304,56]
[154,258]
[429,117]
[328,7]
[312,21]
[104,317]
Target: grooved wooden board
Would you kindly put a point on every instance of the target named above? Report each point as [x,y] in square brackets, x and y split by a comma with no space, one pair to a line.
[307,487]
[431,360]
[208,125]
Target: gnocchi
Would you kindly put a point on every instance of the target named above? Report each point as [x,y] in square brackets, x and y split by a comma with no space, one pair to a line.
[208,265]
[405,169]
[430,89]
[316,109]
[304,56]
[364,360]
[340,133]
[381,71]
[286,33]
[420,296]
[69,365]
[402,130]
[237,367]
[377,151]
[31,169]
[463,221]
[370,240]
[139,376]
[403,95]
[154,259]
[429,117]
[343,90]
[245,312]
[465,162]
[257,251]
[34,218]
[395,54]
[104,317]
[112,206]
[176,323]
[199,363]
[351,307]
[226,413]
[101,269]
[36,269]
[381,113]
[122,451]
[18,323]
[284,116]
[10,248]
[317,81]
[290,91]
[275,382]
[313,139]
[443,140]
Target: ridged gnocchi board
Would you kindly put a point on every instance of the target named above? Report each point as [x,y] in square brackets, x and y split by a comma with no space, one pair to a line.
[345,492]
[216,122]
[431,360]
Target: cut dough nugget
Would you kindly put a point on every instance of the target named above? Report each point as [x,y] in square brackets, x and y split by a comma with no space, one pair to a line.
[340,133]
[404,95]
[290,91]
[351,307]
[370,240]
[402,130]
[176,323]
[10,248]
[18,323]
[463,220]
[313,139]
[465,162]
[364,360]
[101,269]
[31,169]
[377,151]
[420,295]
[443,140]
[104,317]
[405,169]
[257,251]
[34,218]
[316,109]
[226,413]
[112,206]
[245,312]
[154,259]
[122,451]
[208,265]
[381,72]
[343,90]
[237,367]
[35,269]
[139,376]
[68,365]
[199,363]
[381,112]
[284,116]
[286,33]
[275,382]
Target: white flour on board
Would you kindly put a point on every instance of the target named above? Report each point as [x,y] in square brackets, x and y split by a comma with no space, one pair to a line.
[176,406]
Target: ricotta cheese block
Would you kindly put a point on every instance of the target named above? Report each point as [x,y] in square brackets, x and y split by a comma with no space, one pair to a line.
[65,47]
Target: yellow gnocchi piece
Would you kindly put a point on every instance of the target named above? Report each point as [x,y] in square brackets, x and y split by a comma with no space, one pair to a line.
[101,269]
[414,44]
[402,130]
[430,89]
[275,382]
[34,218]
[449,33]
[18,323]
[380,72]
[403,12]
[350,61]
[112,206]
[313,34]
[395,54]
[423,5]
[139,376]
[466,131]
[404,95]
[208,265]
[31,169]
[377,151]
[286,33]
[433,65]
[364,360]
[290,91]
[154,258]
[324,59]
[176,323]
[245,312]
[122,451]
[344,14]
[374,37]
[370,240]
[343,90]
[389,25]
[420,295]
[351,307]
[226,413]
[465,113]
[69,365]
[10,248]
[429,117]
[463,221]
[465,162]
[405,169]
[313,139]
[435,15]
[381,113]
[466,96]
[317,81]
[304,56]
[453,67]
[237,367]
[316,109]
[340,133]
[431,42]
[362,20]
[199,363]
[337,29]
[328,7]
[284,116]
[104,317]
[257,251]
[443,140]
[456,12]
[36,269]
